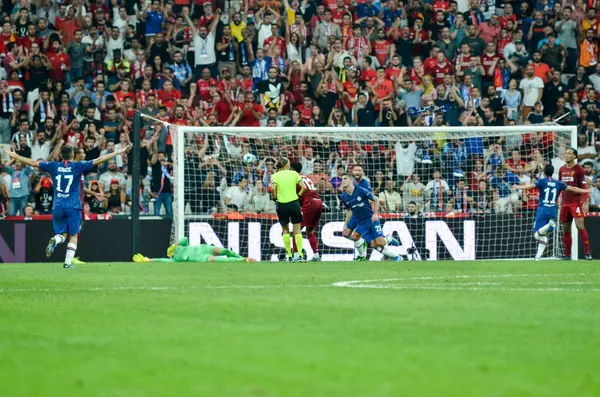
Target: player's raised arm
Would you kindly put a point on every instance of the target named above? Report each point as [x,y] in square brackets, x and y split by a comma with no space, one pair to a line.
[577,190]
[106,157]
[527,186]
[24,160]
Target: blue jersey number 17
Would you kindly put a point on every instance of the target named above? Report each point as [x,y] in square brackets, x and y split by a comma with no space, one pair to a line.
[59,184]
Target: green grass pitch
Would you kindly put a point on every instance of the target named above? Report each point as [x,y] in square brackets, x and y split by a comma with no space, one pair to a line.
[370,329]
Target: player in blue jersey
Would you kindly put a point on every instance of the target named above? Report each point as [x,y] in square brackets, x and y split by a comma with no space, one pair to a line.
[350,223]
[545,218]
[66,207]
[358,201]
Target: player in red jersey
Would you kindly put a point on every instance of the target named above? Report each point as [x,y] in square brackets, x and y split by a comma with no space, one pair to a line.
[312,208]
[574,206]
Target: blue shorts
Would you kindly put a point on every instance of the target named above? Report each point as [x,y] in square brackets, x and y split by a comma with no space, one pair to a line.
[369,230]
[66,221]
[352,223]
[542,217]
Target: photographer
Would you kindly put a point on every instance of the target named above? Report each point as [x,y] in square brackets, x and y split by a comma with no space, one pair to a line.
[387,116]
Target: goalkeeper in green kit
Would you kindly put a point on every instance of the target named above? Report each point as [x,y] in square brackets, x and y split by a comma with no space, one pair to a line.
[183,252]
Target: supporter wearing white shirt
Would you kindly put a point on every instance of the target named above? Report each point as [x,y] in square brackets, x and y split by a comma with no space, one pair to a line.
[585,153]
[204,46]
[237,195]
[264,28]
[40,149]
[115,42]
[532,87]
[405,158]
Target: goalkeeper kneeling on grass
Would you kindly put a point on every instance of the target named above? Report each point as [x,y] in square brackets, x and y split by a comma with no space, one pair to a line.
[184,252]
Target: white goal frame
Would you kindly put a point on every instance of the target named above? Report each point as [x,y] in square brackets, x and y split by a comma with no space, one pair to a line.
[354,134]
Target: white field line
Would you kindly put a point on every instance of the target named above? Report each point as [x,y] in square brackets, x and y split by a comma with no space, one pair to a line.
[545,286]
[149,288]
[351,283]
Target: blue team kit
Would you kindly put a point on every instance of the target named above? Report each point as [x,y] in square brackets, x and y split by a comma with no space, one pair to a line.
[362,212]
[352,222]
[66,209]
[549,189]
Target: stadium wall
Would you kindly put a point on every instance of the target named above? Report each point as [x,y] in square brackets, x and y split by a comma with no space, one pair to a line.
[445,238]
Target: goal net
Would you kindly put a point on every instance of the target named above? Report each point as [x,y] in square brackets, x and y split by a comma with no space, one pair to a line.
[445,192]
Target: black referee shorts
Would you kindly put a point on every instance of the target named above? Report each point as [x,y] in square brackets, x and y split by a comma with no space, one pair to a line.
[289,213]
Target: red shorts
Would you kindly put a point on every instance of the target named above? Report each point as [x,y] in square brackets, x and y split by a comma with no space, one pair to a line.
[567,213]
[311,213]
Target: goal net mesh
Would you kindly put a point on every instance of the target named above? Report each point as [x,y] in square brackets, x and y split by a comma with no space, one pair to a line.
[445,193]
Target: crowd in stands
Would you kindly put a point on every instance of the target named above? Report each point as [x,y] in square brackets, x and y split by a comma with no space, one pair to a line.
[74,72]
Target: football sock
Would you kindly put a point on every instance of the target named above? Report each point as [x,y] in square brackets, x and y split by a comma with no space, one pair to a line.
[567,242]
[71,248]
[541,246]
[359,245]
[585,240]
[288,245]
[386,251]
[59,238]
[229,253]
[299,241]
[312,239]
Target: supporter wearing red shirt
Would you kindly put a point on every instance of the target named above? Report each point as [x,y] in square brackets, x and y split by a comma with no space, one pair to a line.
[507,15]
[440,69]
[381,48]
[224,108]
[368,74]
[168,96]
[66,23]
[488,60]
[246,81]
[275,39]
[251,112]
[463,60]
[357,44]
[204,84]
[179,116]
[61,62]
[74,136]
[432,60]
[393,72]
[351,88]
[502,42]
[305,109]
[30,38]
[514,160]
[540,69]
[142,95]
[383,88]
[124,92]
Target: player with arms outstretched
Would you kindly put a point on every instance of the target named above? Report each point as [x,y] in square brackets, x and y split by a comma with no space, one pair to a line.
[574,206]
[183,252]
[66,207]
[312,208]
[288,208]
[358,201]
[79,155]
[545,218]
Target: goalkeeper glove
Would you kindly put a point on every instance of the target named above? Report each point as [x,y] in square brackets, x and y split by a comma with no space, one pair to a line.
[140,258]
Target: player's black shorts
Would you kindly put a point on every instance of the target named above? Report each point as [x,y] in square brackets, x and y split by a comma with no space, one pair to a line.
[289,213]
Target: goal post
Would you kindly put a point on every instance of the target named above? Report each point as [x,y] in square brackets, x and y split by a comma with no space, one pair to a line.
[560,137]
